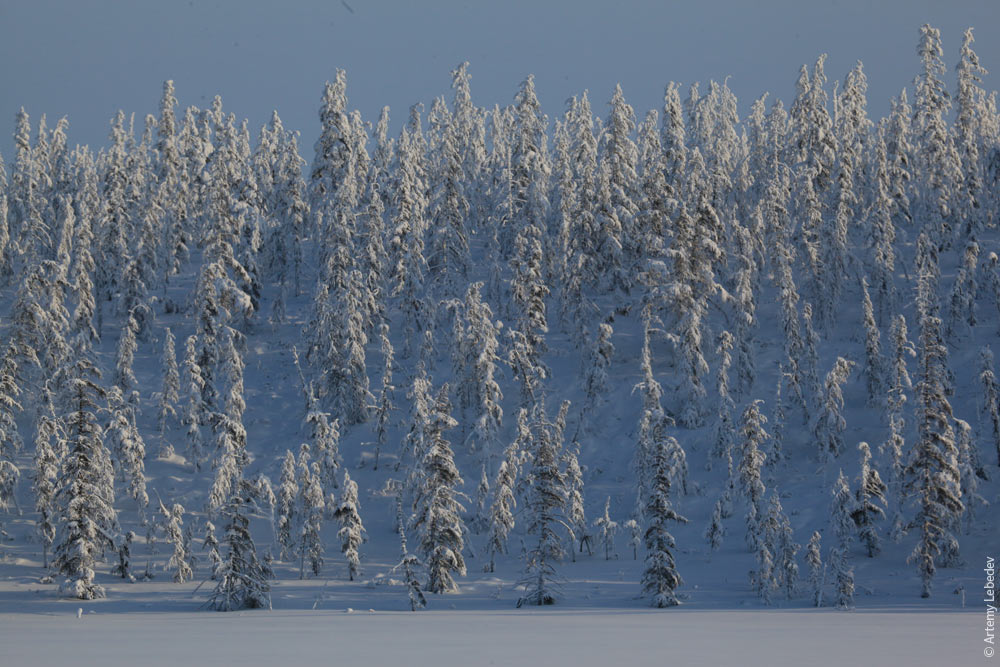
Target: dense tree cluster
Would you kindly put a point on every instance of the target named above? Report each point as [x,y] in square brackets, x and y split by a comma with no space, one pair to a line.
[491,238]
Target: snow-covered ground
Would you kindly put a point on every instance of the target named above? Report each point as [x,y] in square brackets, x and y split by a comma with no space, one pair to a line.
[574,638]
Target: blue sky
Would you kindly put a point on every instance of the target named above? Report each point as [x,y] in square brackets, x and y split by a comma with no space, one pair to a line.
[87,58]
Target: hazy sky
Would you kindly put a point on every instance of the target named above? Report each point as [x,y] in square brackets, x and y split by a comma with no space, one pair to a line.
[87,58]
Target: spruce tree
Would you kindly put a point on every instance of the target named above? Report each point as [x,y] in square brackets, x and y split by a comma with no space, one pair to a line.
[870,496]
[874,368]
[546,505]
[437,510]
[312,505]
[660,577]
[842,510]
[127,447]
[817,573]
[173,523]
[50,439]
[779,537]
[385,406]
[932,477]
[829,423]
[194,410]
[989,410]
[504,504]
[607,528]
[170,393]
[752,438]
[288,511]
[243,579]
[939,163]
[351,531]
[85,497]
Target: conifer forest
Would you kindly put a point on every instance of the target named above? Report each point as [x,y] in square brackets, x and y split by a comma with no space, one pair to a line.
[491,359]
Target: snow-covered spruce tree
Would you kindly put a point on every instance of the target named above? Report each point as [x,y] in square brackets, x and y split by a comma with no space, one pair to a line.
[779,421]
[843,573]
[242,576]
[871,502]
[576,162]
[653,194]
[124,377]
[211,543]
[546,500]
[115,221]
[10,439]
[972,115]
[752,439]
[127,446]
[901,159]
[231,437]
[414,444]
[989,410]
[938,163]
[842,510]
[409,563]
[834,232]
[899,384]
[779,538]
[529,182]
[312,506]
[811,361]
[385,406]
[634,536]
[476,359]
[724,435]
[716,531]
[83,267]
[352,532]
[288,493]
[970,469]
[695,251]
[576,515]
[122,544]
[348,371]
[170,195]
[652,409]
[813,138]
[437,510]
[874,368]
[660,577]
[962,300]
[50,441]
[325,437]
[194,409]
[170,394]
[829,423]
[621,156]
[932,477]
[596,369]
[501,520]
[173,528]
[672,135]
[448,260]
[607,528]
[85,497]
[991,267]
[882,234]
[408,265]
[794,345]
[817,573]
[480,520]
[745,294]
